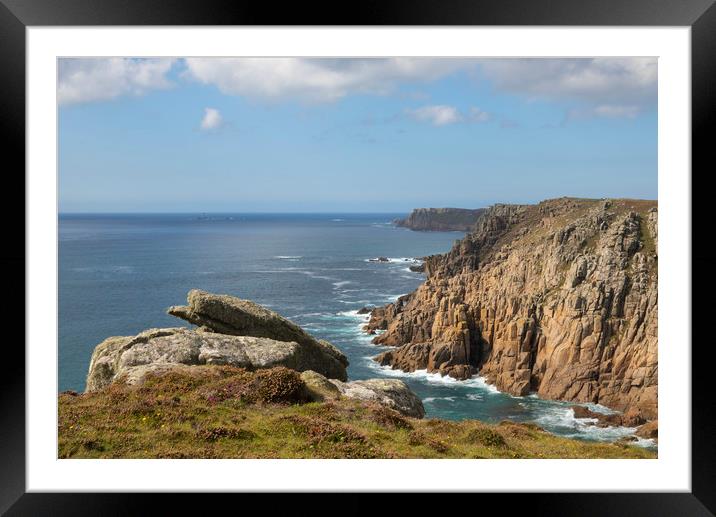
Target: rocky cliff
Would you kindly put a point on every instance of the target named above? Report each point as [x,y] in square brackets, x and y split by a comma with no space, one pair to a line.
[558,298]
[441,219]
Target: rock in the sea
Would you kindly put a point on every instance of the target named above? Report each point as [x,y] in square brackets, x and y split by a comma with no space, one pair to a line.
[631,418]
[379,259]
[157,350]
[418,268]
[649,430]
[393,393]
[365,310]
[449,358]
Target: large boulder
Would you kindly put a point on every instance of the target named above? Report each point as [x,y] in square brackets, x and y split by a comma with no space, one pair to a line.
[393,393]
[236,317]
[157,350]
[318,388]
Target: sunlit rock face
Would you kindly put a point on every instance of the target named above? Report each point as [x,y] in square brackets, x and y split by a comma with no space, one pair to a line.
[558,298]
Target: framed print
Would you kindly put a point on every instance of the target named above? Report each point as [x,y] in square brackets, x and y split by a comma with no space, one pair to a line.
[418,250]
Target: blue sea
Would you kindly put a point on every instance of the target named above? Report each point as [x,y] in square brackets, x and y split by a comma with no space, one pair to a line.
[119,273]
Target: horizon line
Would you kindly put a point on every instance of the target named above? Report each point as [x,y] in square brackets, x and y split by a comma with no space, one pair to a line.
[488,205]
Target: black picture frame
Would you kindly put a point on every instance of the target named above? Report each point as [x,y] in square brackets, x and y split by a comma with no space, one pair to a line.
[700,15]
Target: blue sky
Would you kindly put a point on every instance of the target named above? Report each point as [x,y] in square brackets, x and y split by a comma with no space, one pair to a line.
[347,135]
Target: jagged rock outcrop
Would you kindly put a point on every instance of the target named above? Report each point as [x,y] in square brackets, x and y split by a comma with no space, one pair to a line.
[558,298]
[418,268]
[441,219]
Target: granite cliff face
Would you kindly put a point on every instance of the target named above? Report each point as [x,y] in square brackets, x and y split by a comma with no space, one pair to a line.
[558,298]
[441,219]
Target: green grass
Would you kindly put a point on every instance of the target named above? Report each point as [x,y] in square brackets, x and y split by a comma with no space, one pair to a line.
[224,412]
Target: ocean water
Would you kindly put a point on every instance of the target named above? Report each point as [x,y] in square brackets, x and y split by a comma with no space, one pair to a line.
[119,273]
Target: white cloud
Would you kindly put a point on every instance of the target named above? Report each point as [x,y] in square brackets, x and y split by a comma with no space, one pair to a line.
[212,119]
[99,79]
[616,111]
[440,115]
[603,111]
[596,81]
[314,80]
[477,115]
[598,87]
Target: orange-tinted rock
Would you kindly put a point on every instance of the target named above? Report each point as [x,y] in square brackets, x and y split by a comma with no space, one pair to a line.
[649,430]
[558,298]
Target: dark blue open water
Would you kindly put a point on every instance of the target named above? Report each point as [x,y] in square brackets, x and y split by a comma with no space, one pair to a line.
[119,273]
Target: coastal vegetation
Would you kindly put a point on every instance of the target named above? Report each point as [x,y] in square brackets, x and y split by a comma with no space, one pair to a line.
[229,412]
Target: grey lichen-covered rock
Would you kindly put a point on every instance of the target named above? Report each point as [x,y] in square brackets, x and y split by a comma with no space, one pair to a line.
[133,357]
[393,393]
[229,315]
[318,388]
[103,366]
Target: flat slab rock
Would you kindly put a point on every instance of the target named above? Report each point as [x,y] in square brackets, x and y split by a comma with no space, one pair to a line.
[132,357]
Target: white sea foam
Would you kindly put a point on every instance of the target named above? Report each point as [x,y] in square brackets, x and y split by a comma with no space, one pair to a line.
[341,283]
[435,378]
[556,418]
[644,442]
[390,297]
[104,269]
[313,274]
[394,260]
[337,220]
[598,408]
[364,318]
[288,257]
[433,399]
[407,269]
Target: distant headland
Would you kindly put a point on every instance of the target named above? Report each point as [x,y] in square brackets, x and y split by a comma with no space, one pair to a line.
[441,219]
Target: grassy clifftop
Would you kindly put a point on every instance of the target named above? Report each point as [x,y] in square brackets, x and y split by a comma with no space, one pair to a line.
[227,412]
